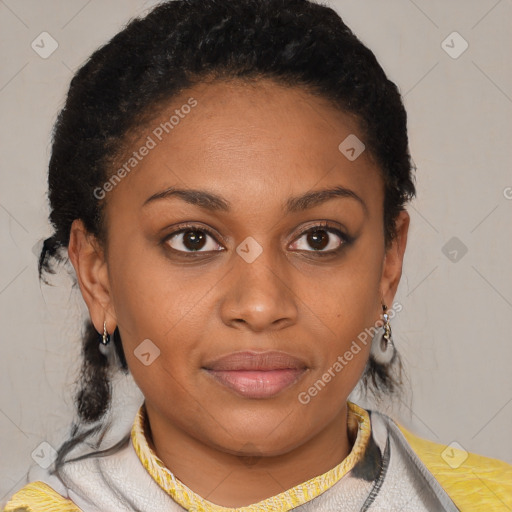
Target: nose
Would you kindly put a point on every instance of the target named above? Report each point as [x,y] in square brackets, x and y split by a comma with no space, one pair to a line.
[259,295]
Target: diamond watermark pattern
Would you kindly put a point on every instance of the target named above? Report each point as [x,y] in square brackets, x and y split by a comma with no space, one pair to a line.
[44,45]
[454,455]
[147,352]
[37,247]
[454,249]
[250,460]
[44,454]
[351,147]
[249,249]
[454,45]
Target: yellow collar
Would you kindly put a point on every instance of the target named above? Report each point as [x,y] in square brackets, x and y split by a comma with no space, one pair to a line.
[282,502]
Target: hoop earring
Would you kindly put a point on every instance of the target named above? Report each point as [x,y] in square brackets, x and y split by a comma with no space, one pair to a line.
[105,341]
[383,349]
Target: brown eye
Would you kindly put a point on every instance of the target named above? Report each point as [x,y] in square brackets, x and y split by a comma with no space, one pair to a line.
[320,239]
[192,240]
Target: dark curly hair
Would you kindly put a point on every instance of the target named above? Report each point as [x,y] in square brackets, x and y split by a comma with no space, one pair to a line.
[180,43]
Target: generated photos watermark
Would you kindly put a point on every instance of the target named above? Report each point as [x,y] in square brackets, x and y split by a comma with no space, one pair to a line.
[343,360]
[151,142]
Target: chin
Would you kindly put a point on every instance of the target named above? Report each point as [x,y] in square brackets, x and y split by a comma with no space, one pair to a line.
[251,436]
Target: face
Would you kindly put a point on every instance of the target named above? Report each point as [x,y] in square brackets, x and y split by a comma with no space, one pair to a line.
[235,280]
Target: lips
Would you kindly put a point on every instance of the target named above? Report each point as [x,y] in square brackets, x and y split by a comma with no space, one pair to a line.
[256,374]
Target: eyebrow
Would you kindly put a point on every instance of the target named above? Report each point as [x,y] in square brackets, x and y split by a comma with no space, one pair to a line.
[213,202]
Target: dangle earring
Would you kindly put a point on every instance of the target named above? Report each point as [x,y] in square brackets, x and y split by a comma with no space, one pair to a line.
[383,349]
[105,341]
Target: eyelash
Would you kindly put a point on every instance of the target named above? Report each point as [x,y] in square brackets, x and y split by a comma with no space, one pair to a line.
[321,226]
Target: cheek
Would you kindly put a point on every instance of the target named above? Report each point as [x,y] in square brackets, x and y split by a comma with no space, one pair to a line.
[346,295]
[347,302]
[155,310]
[152,296]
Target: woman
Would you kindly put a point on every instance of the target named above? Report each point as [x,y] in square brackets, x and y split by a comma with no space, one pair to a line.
[229,180]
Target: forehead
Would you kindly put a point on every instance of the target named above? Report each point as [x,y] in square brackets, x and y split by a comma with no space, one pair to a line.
[247,141]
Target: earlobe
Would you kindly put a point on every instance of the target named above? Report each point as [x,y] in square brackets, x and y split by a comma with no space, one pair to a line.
[88,260]
[393,260]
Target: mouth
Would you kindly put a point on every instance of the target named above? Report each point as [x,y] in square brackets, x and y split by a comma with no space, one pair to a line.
[256,374]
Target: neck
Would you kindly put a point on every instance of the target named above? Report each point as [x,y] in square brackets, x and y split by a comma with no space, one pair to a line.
[233,481]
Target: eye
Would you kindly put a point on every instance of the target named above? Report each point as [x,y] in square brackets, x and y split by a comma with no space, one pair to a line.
[321,238]
[193,239]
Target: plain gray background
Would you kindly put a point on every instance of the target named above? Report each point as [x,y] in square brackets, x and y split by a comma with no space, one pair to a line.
[456,289]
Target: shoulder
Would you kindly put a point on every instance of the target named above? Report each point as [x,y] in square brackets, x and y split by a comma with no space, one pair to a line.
[39,497]
[474,482]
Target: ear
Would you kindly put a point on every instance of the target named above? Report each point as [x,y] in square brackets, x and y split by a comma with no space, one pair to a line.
[393,259]
[88,259]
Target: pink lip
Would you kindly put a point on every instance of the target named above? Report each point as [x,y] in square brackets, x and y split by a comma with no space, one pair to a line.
[256,374]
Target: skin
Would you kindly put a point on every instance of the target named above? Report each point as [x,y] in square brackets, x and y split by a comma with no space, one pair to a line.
[256,146]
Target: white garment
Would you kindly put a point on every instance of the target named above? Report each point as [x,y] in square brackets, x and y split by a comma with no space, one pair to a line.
[390,477]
